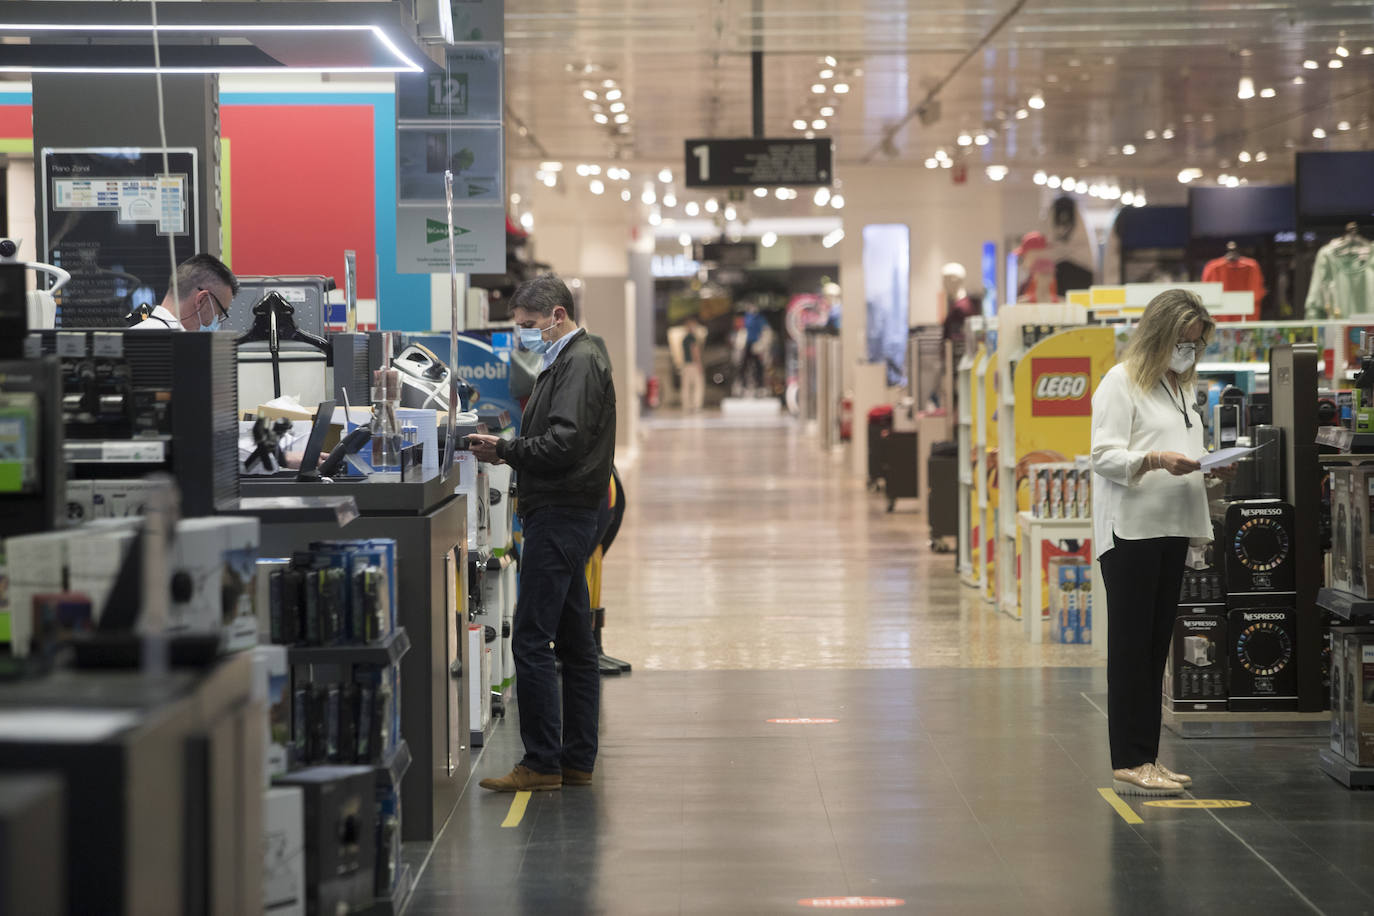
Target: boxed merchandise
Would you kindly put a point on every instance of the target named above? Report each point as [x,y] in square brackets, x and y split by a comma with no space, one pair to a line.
[1084,471]
[80,501]
[35,564]
[1195,674]
[1358,696]
[1070,600]
[272,687]
[340,805]
[1263,672]
[283,851]
[502,498]
[96,554]
[479,691]
[1057,480]
[355,721]
[122,498]
[1361,521]
[1041,503]
[1201,586]
[388,840]
[212,564]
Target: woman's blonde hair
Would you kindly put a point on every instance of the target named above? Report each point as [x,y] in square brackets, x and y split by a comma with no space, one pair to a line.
[1151,348]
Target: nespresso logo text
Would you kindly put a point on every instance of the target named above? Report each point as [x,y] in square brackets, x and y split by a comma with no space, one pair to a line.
[1249,513]
[1266,616]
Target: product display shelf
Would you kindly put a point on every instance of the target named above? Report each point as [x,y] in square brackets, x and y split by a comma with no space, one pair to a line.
[1035,530]
[1345,605]
[1226,724]
[394,768]
[383,652]
[1343,771]
[395,904]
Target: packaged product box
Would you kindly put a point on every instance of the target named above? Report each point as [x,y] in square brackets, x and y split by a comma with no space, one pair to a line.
[1195,677]
[1337,688]
[1083,466]
[272,686]
[212,566]
[1359,661]
[1085,603]
[80,501]
[1340,529]
[95,557]
[1361,502]
[283,849]
[1041,477]
[35,564]
[1057,475]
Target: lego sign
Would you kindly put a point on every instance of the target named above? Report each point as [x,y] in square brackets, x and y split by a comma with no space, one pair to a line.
[1060,386]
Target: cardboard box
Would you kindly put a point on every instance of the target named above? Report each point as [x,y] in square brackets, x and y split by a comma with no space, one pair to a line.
[272,686]
[1358,727]
[212,564]
[1340,529]
[1337,688]
[283,851]
[1361,519]
[35,565]
[1196,672]
[80,501]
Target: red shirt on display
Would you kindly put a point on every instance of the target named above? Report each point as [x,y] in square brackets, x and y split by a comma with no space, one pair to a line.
[1235,275]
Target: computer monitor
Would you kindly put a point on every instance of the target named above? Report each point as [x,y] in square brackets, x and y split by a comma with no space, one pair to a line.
[310,460]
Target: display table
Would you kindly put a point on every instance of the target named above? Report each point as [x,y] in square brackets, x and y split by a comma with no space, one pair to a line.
[1035,532]
[429,524]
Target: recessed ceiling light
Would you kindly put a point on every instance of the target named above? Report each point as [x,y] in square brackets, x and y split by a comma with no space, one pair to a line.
[1168,133]
[612,95]
[601,118]
[625,195]
[1054,182]
[589,95]
[1022,114]
[818,124]
[1150,135]
[692,208]
[1128,149]
[1367,50]
[1267,92]
[1040,177]
[1036,101]
[1261,156]
[597,186]
[932,163]
[837,201]
[1335,63]
[996,172]
[622,118]
[964,140]
[730,214]
[1342,51]
[841,88]
[1311,64]
[1244,156]
[829,61]
[1298,80]
[827,74]
[608,84]
[1319,133]
[799,124]
[712,205]
[818,88]
[1343,125]
[760,192]
[822,195]
[827,112]
[780,193]
[981,139]
[617,107]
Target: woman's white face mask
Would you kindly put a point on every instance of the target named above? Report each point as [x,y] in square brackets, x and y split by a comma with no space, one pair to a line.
[1185,354]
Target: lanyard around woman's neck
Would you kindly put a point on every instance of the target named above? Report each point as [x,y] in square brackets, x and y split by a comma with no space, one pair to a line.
[1180,403]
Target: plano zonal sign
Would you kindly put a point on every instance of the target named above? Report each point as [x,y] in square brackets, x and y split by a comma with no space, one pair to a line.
[758,163]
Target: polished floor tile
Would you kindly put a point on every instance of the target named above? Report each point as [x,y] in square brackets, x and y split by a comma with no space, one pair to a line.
[753,580]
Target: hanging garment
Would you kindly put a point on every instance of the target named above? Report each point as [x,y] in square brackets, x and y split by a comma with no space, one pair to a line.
[1236,275]
[1341,281]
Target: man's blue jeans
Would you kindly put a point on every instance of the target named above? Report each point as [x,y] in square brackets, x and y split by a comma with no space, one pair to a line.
[553,619]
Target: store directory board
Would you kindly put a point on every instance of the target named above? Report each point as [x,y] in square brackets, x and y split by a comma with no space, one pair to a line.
[108,215]
[714,163]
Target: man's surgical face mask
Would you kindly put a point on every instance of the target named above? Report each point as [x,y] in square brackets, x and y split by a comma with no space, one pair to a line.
[532,339]
[217,311]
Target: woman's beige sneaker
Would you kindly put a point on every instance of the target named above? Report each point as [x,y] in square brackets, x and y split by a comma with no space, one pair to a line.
[1145,779]
[1180,778]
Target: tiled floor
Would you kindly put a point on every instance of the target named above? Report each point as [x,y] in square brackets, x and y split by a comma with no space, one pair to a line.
[753,581]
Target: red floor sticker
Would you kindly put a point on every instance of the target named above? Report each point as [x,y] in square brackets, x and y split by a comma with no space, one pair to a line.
[803,721]
[852,903]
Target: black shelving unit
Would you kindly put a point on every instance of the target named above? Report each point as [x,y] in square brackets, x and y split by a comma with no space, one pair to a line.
[1352,609]
[384,652]
[400,895]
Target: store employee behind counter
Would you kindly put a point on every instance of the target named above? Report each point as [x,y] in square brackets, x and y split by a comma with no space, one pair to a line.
[205,285]
[1149,507]
[563,460]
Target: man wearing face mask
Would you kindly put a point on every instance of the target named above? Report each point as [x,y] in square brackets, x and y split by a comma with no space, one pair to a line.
[563,463]
[198,300]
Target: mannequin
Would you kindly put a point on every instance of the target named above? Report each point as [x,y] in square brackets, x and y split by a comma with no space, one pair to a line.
[1342,277]
[1070,246]
[959,304]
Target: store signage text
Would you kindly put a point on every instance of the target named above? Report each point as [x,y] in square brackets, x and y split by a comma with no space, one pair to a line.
[1060,388]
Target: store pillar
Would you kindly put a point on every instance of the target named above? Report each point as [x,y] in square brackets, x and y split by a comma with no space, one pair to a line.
[78,112]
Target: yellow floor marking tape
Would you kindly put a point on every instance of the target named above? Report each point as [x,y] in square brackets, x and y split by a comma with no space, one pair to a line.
[1127,813]
[517,810]
[1198,803]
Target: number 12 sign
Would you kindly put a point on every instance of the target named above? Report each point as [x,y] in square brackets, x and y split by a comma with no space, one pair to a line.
[714,163]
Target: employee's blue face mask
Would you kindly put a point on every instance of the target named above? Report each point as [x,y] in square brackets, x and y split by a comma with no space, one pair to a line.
[216,311]
[532,339]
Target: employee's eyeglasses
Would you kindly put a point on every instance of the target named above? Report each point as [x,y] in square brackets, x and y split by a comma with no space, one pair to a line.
[219,306]
[1189,348]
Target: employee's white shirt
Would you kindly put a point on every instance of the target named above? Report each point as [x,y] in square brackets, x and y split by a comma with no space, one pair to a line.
[1128,500]
[159,320]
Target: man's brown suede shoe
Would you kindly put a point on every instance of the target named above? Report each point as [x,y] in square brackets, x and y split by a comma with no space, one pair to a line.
[523,779]
[576,777]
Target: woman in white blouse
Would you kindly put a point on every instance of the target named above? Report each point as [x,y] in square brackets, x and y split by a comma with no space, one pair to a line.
[1149,503]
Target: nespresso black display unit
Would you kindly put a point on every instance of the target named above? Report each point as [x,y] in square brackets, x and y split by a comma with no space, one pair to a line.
[1257,543]
[150,401]
[1197,675]
[1263,652]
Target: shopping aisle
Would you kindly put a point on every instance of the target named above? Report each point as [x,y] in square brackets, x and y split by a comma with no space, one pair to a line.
[961,773]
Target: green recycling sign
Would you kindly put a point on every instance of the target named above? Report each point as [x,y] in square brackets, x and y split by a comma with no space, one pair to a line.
[436,230]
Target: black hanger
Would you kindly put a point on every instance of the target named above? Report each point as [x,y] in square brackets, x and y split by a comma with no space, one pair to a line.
[274,320]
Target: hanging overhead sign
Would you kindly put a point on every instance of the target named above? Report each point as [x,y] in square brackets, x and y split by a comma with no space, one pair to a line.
[715,163]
